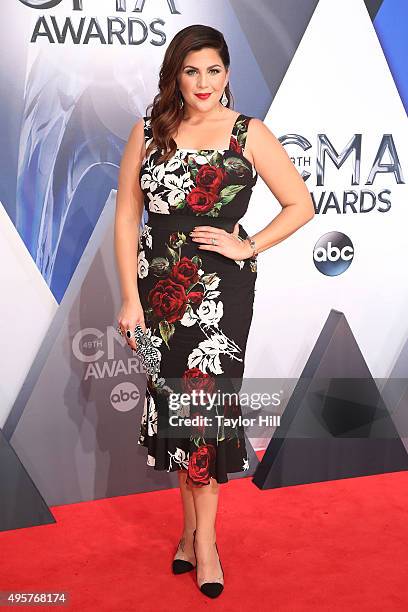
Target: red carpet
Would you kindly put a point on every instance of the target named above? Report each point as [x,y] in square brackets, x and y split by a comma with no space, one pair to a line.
[338,545]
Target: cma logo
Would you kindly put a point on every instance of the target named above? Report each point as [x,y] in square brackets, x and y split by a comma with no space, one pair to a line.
[353,150]
[78,5]
[361,195]
[81,29]
[333,253]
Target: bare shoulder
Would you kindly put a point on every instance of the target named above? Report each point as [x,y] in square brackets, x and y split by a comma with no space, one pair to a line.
[136,136]
[258,133]
[260,140]
[132,157]
[263,145]
[134,150]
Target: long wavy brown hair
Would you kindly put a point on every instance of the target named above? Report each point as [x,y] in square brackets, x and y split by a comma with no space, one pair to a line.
[166,110]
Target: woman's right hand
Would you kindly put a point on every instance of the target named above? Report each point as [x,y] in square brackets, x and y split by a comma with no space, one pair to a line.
[129,316]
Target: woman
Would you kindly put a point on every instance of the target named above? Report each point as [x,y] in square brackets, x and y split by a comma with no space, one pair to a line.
[193,164]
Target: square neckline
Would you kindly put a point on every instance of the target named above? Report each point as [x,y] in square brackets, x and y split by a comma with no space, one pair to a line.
[188,150]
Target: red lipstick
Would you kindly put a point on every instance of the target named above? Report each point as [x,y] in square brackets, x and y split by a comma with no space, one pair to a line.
[203,96]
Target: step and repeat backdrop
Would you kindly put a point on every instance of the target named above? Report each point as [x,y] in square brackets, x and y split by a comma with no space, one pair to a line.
[329,78]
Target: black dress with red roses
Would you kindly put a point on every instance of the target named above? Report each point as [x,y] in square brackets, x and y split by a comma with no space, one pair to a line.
[198,307]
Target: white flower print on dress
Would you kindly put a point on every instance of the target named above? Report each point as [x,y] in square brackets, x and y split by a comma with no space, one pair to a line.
[213,294]
[157,205]
[207,355]
[210,312]
[189,318]
[152,418]
[142,265]
[180,457]
[152,179]
[146,234]
[164,175]
[211,281]
[177,187]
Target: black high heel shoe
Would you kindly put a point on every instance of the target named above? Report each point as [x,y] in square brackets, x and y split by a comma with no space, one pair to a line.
[211,589]
[181,566]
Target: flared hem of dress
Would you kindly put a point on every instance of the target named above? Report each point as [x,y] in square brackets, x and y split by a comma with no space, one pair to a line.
[151,461]
[217,460]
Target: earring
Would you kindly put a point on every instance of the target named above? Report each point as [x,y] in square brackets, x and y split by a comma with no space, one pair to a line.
[224,99]
[181,101]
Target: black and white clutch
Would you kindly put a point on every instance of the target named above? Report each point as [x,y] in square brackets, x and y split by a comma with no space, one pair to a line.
[145,350]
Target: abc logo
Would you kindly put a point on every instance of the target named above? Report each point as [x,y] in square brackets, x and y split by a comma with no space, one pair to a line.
[333,253]
[124,396]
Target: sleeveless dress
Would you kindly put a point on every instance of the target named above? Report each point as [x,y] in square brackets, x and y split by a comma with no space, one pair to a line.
[198,306]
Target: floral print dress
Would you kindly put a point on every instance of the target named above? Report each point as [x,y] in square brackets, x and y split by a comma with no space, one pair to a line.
[197,304]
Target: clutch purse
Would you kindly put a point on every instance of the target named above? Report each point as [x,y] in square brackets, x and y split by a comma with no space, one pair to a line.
[145,350]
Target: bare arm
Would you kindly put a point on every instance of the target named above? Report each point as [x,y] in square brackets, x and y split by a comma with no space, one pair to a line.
[275,167]
[129,208]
